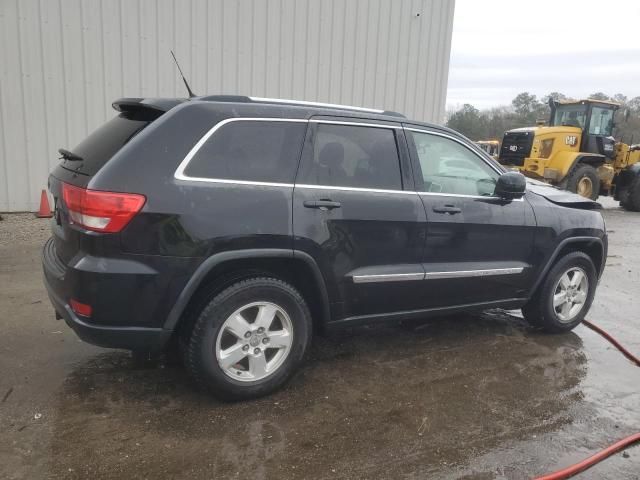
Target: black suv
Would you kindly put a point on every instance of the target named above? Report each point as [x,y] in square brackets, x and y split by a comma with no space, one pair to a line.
[233,227]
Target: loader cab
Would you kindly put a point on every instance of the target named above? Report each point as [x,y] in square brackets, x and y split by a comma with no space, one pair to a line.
[594,118]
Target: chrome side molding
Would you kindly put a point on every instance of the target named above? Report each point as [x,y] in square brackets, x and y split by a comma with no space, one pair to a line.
[402,277]
[389,277]
[474,273]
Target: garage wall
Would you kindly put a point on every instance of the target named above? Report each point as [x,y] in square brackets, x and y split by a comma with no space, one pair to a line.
[63,63]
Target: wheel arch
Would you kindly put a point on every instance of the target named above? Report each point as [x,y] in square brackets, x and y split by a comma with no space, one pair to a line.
[591,246]
[223,269]
[593,160]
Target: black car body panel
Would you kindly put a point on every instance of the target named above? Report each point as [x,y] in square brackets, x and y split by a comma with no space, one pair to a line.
[368,253]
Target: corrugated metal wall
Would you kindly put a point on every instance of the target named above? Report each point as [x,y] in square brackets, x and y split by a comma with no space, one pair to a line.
[64,61]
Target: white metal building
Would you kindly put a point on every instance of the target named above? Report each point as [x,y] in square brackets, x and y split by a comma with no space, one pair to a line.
[63,63]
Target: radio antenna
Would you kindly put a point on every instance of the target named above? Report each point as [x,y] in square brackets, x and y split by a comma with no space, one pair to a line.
[186,84]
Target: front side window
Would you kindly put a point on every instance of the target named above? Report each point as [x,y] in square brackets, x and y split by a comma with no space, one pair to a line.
[250,150]
[570,116]
[449,167]
[601,122]
[353,156]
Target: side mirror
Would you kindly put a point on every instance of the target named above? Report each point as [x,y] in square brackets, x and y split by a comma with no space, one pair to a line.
[511,185]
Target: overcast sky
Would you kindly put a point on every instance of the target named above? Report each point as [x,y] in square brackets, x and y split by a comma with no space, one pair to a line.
[501,48]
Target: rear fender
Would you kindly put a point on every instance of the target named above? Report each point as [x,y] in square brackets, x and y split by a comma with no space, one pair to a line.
[212,262]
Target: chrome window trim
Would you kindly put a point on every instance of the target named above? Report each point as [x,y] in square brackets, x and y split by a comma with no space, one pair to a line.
[180,175]
[355,124]
[353,189]
[473,273]
[389,277]
[314,104]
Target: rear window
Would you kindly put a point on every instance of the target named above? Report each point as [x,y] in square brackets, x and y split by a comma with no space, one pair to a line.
[104,143]
[251,150]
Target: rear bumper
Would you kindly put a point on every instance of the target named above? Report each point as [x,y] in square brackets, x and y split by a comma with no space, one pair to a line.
[127,337]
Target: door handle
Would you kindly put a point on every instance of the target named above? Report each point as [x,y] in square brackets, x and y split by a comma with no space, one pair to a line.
[450,209]
[323,204]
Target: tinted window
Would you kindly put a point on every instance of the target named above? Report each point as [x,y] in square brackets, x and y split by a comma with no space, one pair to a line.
[351,156]
[449,167]
[259,151]
[105,142]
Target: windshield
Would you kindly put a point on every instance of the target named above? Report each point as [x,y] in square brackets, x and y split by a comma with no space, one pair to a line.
[570,115]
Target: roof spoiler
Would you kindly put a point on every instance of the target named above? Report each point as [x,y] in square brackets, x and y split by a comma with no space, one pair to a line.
[151,105]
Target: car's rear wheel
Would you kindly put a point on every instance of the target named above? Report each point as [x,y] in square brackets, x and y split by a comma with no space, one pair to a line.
[249,339]
[565,296]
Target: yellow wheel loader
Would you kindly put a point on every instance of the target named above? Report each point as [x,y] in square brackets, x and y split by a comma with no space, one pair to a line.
[577,152]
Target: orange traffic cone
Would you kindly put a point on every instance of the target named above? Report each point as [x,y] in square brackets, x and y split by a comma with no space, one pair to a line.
[45,208]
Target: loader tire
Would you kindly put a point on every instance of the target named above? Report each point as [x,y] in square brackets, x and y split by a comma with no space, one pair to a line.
[584,181]
[631,201]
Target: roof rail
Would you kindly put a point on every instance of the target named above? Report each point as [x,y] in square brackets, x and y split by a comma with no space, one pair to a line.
[245,99]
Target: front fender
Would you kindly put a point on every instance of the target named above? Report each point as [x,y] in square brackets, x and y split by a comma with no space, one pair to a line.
[601,243]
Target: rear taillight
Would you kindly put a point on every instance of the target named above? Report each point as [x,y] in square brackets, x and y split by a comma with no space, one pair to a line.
[80,308]
[100,211]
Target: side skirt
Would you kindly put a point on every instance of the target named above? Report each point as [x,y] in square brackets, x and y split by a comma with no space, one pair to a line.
[510,303]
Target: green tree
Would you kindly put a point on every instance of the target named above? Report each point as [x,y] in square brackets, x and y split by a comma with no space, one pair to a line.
[467,121]
[526,109]
[599,96]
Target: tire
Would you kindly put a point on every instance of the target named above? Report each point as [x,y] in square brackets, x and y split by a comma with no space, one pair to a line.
[632,197]
[579,180]
[540,310]
[222,326]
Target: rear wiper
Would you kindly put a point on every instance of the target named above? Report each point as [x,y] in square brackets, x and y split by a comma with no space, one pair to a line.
[67,155]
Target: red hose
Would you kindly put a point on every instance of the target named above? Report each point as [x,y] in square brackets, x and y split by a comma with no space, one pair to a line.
[614,342]
[616,447]
[592,460]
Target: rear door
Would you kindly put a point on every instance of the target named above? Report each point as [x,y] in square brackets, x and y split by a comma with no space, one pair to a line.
[478,247]
[356,213]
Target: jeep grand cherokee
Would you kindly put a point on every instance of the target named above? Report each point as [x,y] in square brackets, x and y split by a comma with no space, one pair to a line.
[235,226]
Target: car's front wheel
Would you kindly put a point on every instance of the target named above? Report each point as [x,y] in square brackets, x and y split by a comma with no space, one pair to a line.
[565,296]
[249,339]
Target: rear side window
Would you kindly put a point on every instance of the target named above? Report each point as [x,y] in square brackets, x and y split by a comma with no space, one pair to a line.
[104,143]
[353,156]
[252,150]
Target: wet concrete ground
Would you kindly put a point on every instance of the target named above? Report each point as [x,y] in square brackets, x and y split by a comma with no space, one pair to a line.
[478,397]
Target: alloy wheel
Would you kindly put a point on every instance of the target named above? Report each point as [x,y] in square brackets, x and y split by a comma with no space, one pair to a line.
[254,341]
[570,294]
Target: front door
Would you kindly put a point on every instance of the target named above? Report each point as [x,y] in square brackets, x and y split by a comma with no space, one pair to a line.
[356,213]
[478,247]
